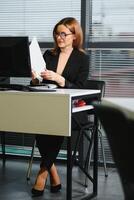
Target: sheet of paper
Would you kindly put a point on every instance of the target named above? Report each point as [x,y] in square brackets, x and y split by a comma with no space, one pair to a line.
[37,61]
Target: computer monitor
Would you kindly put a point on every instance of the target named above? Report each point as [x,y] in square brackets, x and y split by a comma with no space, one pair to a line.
[14,57]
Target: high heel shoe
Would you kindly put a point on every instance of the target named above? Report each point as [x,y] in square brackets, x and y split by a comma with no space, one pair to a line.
[56,188]
[54,178]
[37,193]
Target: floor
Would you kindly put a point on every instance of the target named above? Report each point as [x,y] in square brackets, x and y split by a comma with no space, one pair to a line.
[14,185]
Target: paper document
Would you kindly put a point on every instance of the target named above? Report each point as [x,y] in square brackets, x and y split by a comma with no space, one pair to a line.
[37,61]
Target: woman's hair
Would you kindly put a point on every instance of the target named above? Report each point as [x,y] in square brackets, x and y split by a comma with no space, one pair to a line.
[73,25]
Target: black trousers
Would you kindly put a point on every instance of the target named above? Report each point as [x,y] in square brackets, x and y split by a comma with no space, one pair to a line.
[49,146]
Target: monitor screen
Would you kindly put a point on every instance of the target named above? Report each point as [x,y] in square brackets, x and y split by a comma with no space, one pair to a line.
[14,57]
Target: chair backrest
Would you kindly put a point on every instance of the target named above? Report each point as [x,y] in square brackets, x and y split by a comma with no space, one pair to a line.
[96,84]
[121,139]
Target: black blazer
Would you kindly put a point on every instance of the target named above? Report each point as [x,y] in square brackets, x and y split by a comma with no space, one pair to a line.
[76,69]
[75,74]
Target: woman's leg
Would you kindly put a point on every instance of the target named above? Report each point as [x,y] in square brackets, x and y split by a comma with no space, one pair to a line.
[41,179]
[54,177]
[49,147]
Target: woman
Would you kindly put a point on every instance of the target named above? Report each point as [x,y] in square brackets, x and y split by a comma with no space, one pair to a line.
[67,67]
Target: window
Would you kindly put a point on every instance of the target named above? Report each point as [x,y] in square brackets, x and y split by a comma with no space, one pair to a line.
[111,46]
[36,17]
[111,20]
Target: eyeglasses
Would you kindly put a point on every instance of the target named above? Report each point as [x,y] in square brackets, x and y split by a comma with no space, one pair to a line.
[63,35]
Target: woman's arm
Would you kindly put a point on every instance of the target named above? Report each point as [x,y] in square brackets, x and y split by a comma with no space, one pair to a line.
[53,76]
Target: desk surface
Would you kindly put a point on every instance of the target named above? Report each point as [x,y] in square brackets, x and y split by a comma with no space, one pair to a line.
[40,112]
[125,104]
[69,92]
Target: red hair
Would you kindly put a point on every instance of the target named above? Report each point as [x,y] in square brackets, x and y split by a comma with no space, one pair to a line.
[73,25]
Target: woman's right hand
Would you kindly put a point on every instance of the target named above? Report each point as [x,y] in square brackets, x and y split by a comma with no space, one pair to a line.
[34,76]
[35,80]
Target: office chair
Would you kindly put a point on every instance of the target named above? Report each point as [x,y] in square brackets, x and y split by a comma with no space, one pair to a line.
[100,85]
[81,157]
[84,131]
[120,133]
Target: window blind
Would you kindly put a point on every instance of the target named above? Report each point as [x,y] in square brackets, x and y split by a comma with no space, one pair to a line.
[111,45]
[36,17]
[112,20]
[116,68]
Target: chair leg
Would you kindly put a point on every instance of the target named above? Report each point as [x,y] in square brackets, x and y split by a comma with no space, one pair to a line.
[89,156]
[74,158]
[3,147]
[103,153]
[88,162]
[31,161]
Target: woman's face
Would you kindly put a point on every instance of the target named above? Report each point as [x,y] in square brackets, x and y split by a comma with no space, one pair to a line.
[64,37]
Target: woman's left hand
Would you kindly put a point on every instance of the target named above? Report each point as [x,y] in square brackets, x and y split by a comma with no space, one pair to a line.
[49,75]
[53,76]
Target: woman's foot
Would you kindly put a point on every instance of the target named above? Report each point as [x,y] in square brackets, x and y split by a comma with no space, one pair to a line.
[38,188]
[54,180]
[56,188]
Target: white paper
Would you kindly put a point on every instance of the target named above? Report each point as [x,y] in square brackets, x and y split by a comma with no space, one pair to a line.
[37,61]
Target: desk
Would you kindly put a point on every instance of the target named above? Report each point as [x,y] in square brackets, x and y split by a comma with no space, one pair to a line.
[125,104]
[46,113]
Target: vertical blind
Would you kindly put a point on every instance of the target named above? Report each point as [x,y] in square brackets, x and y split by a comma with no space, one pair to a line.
[111,45]
[36,17]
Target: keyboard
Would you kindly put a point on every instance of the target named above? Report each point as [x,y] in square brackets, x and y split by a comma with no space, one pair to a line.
[25,88]
[44,86]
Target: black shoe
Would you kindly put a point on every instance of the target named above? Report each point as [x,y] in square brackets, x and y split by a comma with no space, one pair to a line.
[56,188]
[37,193]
